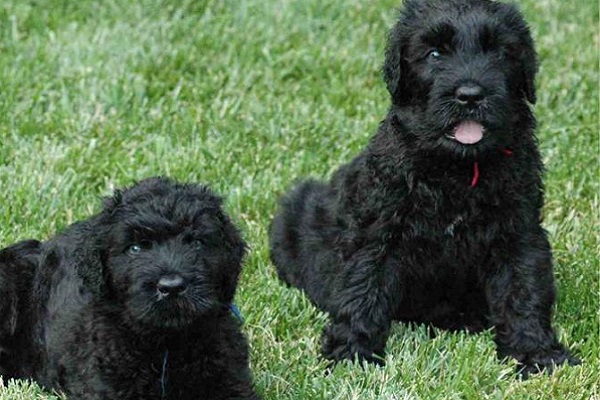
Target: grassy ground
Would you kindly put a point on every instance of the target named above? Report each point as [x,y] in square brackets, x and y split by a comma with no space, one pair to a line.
[247,96]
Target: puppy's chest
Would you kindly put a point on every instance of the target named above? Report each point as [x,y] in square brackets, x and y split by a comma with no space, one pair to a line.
[455,224]
[454,229]
[449,245]
[160,374]
[459,225]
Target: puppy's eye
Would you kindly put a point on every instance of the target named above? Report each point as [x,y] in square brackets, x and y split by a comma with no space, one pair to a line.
[434,54]
[138,247]
[134,249]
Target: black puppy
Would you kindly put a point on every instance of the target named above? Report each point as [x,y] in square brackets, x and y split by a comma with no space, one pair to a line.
[133,303]
[438,219]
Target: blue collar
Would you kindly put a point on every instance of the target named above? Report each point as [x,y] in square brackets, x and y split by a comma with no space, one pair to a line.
[236,312]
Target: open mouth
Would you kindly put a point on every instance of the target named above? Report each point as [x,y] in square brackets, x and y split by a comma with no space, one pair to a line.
[466,132]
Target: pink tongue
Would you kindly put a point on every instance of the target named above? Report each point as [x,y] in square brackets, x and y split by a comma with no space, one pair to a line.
[468,132]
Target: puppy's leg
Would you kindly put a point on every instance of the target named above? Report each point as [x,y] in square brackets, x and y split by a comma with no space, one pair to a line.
[365,296]
[521,295]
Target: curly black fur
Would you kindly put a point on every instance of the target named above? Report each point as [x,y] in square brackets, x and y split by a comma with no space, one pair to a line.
[405,231]
[132,303]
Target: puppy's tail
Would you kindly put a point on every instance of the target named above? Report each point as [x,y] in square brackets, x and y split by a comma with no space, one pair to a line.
[17,267]
[302,235]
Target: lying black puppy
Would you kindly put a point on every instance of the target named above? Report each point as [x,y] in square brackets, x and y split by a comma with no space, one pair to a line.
[133,303]
[438,219]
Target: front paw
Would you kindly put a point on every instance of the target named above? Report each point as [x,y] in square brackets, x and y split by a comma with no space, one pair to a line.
[340,343]
[544,361]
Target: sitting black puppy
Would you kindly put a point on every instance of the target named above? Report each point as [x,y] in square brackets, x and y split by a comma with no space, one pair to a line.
[133,303]
[438,220]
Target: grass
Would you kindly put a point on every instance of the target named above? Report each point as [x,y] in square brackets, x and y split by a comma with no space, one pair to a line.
[248,96]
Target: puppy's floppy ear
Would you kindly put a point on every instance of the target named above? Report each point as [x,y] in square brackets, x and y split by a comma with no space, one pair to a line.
[524,50]
[529,68]
[395,68]
[231,281]
[236,248]
[90,246]
[91,266]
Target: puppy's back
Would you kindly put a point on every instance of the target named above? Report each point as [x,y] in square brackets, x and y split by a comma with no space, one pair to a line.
[302,237]
[18,264]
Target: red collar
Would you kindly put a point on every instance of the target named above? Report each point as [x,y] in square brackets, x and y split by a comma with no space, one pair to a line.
[507,152]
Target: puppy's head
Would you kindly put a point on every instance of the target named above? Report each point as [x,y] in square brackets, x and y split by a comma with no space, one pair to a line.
[169,255]
[465,69]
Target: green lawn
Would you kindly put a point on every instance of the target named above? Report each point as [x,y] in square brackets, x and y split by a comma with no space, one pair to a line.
[248,96]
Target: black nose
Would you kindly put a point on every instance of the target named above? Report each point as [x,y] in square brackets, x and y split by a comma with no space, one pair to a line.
[469,94]
[171,285]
